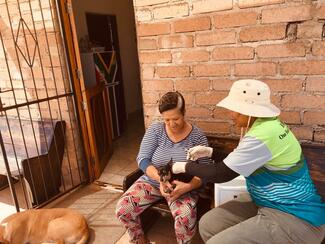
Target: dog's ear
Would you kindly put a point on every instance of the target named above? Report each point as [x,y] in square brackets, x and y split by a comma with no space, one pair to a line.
[170,163]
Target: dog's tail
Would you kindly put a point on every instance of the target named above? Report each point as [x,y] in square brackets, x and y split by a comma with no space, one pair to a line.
[85,237]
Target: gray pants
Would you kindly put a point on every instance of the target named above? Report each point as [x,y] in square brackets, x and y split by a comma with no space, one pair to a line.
[241,221]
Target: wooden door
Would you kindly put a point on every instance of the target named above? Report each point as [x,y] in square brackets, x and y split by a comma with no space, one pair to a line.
[92,108]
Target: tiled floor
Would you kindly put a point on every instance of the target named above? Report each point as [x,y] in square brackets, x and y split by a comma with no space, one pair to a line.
[97,202]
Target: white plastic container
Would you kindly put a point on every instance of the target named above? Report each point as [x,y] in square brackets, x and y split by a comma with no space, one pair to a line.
[230,190]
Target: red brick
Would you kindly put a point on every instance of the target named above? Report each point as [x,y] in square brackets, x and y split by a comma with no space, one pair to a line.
[141,3]
[316,84]
[210,98]
[318,48]
[222,113]
[147,72]
[189,98]
[150,97]
[287,14]
[175,41]
[192,85]
[143,15]
[211,70]
[276,100]
[290,117]
[214,127]
[311,67]
[214,38]
[193,24]
[151,110]
[153,29]
[197,112]
[155,57]
[257,3]
[211,6]
[191,56]
[303,133]
[235,19]
[255,69]
[303,101]
[157,85]
[281,50]
[314,118]
[147,44]
[309,30]
[233,53]
[172,71]
[222,84]
[171,11]
[284,85]
[320,14]
[319,136]
[261,33]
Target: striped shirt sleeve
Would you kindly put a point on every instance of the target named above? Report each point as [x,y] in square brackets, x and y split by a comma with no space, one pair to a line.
[148,146]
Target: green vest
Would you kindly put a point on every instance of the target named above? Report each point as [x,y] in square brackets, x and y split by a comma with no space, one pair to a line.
[284,146]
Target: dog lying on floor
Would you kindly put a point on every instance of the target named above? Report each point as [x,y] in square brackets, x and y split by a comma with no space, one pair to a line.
[56,225]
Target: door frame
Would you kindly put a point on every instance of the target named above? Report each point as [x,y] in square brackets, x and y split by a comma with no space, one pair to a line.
[68,29]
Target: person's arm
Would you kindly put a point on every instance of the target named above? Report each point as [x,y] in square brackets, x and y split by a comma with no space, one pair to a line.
[215,173]
[249,155]
[195,183]
[148,146]
[152,172]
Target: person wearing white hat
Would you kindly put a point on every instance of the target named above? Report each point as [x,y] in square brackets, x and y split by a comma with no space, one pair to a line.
[283,205]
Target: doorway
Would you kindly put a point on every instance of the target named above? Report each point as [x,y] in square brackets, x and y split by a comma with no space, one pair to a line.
[106,35]
[103,40]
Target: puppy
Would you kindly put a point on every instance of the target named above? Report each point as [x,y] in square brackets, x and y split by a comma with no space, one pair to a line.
[166,174]
[56,225]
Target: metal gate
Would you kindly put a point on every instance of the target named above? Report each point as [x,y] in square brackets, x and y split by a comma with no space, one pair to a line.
[41,148]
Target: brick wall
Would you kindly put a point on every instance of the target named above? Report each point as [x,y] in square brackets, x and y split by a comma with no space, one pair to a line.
[200,47]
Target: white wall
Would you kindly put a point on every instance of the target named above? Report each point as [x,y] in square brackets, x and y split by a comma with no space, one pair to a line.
[123,9]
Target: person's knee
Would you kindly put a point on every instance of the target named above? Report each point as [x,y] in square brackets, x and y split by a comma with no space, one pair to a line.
[211,224]
[213,221]
[123,208]
[204,222]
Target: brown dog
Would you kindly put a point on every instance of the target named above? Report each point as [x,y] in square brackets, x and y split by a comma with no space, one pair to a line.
[56,225]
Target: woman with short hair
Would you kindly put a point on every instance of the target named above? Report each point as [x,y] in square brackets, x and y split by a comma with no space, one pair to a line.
[162,142]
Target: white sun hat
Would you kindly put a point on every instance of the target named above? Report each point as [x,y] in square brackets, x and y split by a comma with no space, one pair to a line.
[251,98]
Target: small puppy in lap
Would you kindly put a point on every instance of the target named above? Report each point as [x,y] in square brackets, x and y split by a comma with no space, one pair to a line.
[56,225]
[165,173]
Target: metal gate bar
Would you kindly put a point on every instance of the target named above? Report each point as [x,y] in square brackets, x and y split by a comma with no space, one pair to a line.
[68,95]
[3,151]
[30,64]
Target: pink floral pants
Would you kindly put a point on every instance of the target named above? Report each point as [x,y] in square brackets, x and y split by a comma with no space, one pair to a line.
[142,195]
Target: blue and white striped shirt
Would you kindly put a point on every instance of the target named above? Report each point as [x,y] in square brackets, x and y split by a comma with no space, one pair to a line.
[157,147]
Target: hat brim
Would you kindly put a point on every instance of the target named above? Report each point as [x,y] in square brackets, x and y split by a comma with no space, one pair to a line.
[254,110]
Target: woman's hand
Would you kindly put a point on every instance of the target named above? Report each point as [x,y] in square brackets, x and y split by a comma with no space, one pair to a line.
[180,189]
[165,189]
[197,152]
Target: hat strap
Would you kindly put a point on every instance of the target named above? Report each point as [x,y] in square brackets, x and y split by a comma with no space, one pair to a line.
[246,129]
